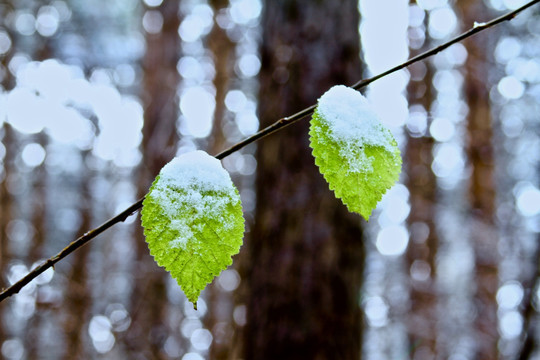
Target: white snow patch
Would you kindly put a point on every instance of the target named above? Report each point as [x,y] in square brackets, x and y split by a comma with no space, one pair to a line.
[197,180]
[197,169]
[353,122]
[184,231]
[350,117]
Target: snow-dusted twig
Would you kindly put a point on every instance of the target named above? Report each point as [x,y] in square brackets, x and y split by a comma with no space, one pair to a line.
[278,125]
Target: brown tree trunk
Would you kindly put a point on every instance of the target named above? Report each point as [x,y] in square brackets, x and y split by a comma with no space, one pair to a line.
[36,249]
[147,333]
[222,49]
[6,204]
[7,82]
[529,337]
[423,242]
[482,184]
[78,299]
[219,318]
[306,250]
[40,52]
[39,197]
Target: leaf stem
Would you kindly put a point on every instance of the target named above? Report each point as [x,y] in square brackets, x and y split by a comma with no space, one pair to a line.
[278,125]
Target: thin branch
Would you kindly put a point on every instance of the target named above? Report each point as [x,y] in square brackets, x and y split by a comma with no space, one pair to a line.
[286,121]
[278,125]
[74,245]
[477,27]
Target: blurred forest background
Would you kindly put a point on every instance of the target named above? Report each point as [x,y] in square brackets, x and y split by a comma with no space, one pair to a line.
[96,96]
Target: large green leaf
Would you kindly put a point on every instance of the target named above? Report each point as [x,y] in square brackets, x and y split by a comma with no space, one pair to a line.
[356,154]
[193,222]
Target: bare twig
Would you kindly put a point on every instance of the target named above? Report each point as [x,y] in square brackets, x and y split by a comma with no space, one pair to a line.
[281,123]
[477,27]
[74,245]
[278,125]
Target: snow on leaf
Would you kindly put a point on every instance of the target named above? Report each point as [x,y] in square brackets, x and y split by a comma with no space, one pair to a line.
[357,155]
[193,222]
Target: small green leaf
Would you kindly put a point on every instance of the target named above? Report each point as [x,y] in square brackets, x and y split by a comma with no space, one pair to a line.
[356,154]
[193,222]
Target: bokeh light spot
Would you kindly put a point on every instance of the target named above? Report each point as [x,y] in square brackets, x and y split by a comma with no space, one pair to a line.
[5,42]
[392,240]
[528,199]
[509,295]
[152,21]
[511,88]
[12,349]
[511,324]
[442,22]
[376,311]
[201,339]
[33,155]
[99,330]
[229,280]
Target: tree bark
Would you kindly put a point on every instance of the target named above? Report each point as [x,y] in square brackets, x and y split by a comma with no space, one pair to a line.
[147,333]
[79,298]
[306,250]
[482,190]
[7,82]
[6,214]
[219,318]
[423,242]
[222,49]
[38,217]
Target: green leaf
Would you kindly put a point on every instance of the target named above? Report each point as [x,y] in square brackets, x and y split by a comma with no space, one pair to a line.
[357,155]
[193,222]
